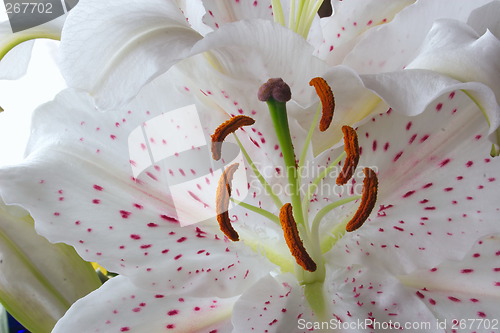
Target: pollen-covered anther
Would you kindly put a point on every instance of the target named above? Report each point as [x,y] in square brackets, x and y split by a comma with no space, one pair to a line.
[226,128]
[325,95]
[293,240]
[351,149]
[368,199]
[222,197]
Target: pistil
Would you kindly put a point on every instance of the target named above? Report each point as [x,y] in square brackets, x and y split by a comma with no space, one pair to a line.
[275,92]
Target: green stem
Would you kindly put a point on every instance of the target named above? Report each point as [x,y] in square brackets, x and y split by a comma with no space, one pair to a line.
[280,122]
[13,43]
[259,176]
[316,298]
[258,210]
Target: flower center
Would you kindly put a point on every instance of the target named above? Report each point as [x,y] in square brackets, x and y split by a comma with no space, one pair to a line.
[300,17]
[302,238]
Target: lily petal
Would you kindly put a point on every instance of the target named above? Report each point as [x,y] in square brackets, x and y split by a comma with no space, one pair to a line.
[120,306]
[466,289]
[412,91]
[394,45]
[15,63]
[273,304]
[436,186]
[220,12]
[38,280]
[125,223]
[485,18]
[370,295]
[454,49]
[257,50]
[194,11]
[15,48]
[350,20]
[153,29]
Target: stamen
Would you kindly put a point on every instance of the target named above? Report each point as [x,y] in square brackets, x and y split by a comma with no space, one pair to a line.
[276,89]
[325,95]
[368,199]
[352,151]
[293,240]
[222,197]
[226,128]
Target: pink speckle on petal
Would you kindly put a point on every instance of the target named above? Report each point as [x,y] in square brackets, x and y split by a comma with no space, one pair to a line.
[173,312]
[125,214]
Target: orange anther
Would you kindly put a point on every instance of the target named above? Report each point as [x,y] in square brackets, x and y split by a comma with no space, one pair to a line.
[222,202]
[368,199]
[352,155]
[293,240]
[325,95]
[226,128]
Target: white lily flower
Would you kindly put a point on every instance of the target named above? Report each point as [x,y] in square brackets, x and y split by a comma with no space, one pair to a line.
[38,281]
[431,196]
[434,204]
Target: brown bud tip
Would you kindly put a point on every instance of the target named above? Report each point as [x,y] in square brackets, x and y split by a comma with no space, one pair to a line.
[276,89]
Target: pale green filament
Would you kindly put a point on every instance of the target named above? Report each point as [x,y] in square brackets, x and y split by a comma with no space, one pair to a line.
[279,17]
[301,15]
[305,24]
[258,210]
[314,185]
[325,210]
[310,133]
[259,176]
